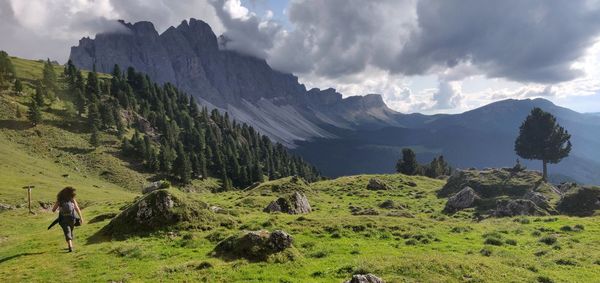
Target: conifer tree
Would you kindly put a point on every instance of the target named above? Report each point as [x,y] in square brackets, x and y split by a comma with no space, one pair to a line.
[182,167]
[542,138]
[34,114]
[49,76]
[94,120]
[40,94]
[18,86]
[80,102]
[7,69]
[95,137]
[92,86]
[408,164]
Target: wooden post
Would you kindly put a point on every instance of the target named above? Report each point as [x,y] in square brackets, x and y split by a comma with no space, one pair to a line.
[28,188]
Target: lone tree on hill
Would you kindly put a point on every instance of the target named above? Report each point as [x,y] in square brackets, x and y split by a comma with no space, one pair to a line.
[408,164]
[541,138]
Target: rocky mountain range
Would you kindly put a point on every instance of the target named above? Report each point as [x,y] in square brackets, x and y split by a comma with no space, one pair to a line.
[341,136]
[189,57]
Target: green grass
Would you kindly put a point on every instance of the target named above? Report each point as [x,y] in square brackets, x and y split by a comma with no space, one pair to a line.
[411,242]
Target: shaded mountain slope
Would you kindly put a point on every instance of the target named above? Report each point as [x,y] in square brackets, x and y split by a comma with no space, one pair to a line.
[483,137]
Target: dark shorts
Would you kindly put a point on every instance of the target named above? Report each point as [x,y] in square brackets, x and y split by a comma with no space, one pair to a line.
[67,224]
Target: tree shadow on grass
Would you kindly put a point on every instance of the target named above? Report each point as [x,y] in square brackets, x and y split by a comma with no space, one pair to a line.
[71,125]
[76,150]
[17,256]
[14,124]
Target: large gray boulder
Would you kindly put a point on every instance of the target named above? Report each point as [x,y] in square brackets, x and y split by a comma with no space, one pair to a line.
[465,198]
[365,278]
[377,185]
[538,199]
[515,207]
[296,203]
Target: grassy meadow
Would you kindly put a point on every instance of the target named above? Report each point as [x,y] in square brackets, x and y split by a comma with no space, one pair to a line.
[409,239]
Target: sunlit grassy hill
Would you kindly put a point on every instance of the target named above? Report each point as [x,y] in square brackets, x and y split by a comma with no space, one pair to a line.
[399,234]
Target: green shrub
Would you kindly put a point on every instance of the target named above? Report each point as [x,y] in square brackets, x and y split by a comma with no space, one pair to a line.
[566,228]
[548,240]
[493,242]
[511,242]
[566,262]
[485,252]
[544,279]
[320,254]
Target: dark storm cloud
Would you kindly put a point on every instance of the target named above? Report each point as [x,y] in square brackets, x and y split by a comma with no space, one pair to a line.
[528,41]
[341,37]
[520,40]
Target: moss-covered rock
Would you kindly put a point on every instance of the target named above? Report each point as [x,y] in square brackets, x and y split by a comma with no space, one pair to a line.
[286,185]
[295,203]
[580,201]
[258,246]
[500,192]
[493,182]
[163,209]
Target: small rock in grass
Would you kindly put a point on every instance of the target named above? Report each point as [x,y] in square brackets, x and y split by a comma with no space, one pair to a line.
[365,278]
[377,185]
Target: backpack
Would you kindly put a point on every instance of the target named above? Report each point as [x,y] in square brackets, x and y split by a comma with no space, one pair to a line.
[67,208]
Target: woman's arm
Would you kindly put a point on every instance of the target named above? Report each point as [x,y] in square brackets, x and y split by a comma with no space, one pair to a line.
[78,210]
[55,207]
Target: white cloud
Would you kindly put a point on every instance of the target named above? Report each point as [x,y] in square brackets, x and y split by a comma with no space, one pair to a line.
[41,28]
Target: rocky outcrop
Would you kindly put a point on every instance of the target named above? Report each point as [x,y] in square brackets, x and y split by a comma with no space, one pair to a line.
[189,56]
[365,278]
[580,201]
[492,182]
[461,200]
[516,207]
[538,199]
[159,210]
[154,186]
[513,192]
[377,185]
[254,245]
[296,203]
[4,207]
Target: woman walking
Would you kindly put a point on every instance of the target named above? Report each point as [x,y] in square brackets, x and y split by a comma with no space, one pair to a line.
[67,219]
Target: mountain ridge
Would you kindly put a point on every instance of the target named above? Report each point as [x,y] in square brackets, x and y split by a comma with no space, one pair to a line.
[342,136]
[189,57]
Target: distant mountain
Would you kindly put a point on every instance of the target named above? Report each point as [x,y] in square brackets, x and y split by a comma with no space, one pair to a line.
[483,137]
[341,136]
[189,57]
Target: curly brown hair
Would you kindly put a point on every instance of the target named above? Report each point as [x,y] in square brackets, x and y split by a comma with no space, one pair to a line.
[66,194]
